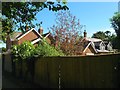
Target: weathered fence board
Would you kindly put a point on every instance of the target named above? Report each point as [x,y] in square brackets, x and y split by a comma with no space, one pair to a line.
[7,62]
[90,71]
[46,72]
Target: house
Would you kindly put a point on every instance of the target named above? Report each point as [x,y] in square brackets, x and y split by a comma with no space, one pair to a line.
[85,48]
[95,46]
[108,45]
[30,35]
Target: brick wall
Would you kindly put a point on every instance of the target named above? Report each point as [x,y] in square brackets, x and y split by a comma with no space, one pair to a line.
[29,37]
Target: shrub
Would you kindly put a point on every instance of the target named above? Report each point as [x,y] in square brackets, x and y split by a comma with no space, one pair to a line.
[26,50]
[44,49]
[4,49]
[23,51]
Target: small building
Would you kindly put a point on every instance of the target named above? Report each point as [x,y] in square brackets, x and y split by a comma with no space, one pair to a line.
[89,49]
[30,35]
[108,45]
[94,46]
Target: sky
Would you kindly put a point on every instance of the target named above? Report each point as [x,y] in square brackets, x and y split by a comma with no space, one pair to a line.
[95,15]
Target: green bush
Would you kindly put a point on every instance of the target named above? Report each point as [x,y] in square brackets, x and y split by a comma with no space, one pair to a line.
[26,50]
[44,49]
[4,49]
[23,51]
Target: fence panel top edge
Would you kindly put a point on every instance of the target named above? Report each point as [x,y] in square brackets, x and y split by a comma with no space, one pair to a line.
[77,56]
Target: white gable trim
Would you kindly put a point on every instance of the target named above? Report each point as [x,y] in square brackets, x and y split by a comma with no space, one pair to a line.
[88,46]
[102,43]
[33,42]
[38,33]
[47,35]
[29,32]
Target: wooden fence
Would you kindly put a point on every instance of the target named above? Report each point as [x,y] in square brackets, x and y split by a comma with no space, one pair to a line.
[78,72]
[6,62]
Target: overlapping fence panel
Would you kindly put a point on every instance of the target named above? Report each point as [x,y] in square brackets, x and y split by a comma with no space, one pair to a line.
[79,72]
[90,72]
[46,72]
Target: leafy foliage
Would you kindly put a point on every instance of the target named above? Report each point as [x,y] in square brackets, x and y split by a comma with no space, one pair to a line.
[4,49]
[23,51]
[26,50]
[100,35]
[104,35]
[116,43]
[44,49]
[115,21]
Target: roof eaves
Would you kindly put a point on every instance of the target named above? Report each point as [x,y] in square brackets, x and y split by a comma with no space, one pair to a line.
[86,47]
[27,33]
[47,35]
[35,41]
[92,47]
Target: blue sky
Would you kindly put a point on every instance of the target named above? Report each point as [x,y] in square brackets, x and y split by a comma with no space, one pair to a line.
[95,15]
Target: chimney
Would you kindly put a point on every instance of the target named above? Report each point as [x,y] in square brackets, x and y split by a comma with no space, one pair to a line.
[40,30]
[26,27]
[85,33]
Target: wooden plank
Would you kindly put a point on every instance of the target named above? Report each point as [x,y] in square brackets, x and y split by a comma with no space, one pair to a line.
[96,72]
[92,72]
[67,73]
[53,71]
[86,65]
[108,72]
[116,75]
[79,75]
[41,76]
[100,71]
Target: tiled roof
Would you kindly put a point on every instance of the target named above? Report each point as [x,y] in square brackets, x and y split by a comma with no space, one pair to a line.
[103,51]
[15,35]
[106,42]
[84,45]
[22,35]
[93,39]
[45,34]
